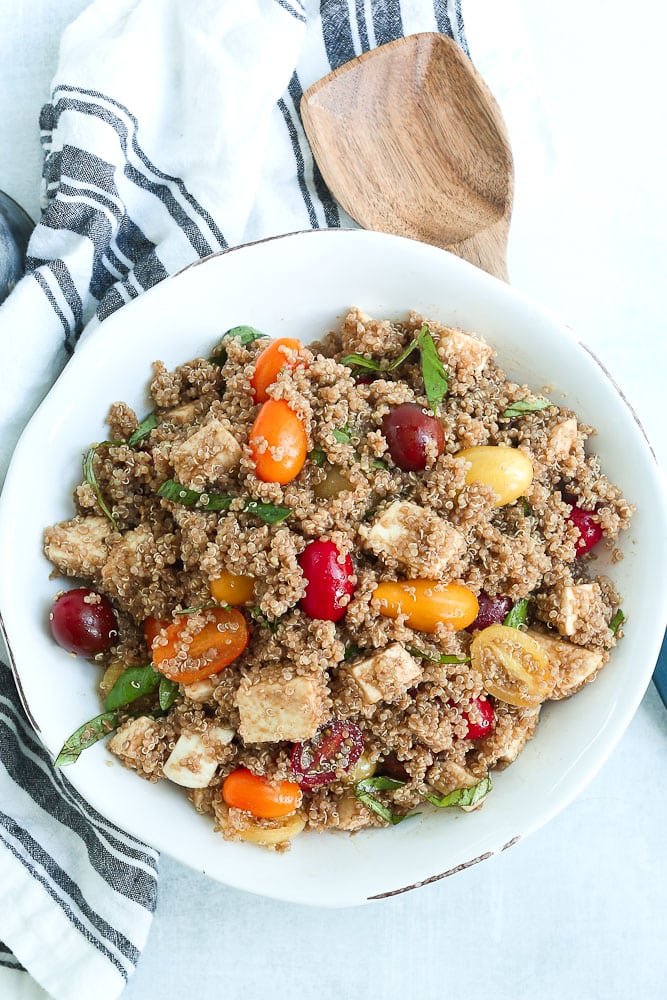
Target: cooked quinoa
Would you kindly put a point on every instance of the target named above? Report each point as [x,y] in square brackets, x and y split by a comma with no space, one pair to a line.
[429,716]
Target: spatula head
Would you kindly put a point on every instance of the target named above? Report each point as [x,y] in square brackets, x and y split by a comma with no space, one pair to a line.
[411,141]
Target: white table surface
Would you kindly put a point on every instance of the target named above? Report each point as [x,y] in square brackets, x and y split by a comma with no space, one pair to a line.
[579,909]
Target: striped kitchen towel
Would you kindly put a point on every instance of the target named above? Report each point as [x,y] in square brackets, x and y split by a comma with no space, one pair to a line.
[173,131]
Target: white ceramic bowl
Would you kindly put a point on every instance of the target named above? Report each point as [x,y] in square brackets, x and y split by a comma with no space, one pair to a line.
[302,285]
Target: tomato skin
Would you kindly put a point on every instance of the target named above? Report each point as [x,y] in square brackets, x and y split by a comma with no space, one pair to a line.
[590,532]
[280,427]
[81,627]
[264,799]
[492,611]
[232,588]
[476,730]
[411,433]
[328,581]
[335,746]
[508,471]
[425,607]
[515,667]
[225,631]
[270,362]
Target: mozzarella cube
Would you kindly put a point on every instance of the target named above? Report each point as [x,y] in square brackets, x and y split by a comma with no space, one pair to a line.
[209,452]
[385,675]
[562,440]
[408,535]
[469,354]
[274,710]
[193,763]
[78,547]
[576,604]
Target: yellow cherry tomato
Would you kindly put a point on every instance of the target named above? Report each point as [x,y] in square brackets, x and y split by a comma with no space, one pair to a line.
[508,471]
[277,833]
[231,588]
[426,606]
[515,668]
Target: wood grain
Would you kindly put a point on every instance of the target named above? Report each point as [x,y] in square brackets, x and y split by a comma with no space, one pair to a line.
[411,141]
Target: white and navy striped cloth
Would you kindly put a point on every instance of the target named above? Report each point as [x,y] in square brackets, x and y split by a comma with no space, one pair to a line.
[173,131]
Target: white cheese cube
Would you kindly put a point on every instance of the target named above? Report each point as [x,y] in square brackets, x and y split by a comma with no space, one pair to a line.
[576,604]
[562,440]
[386,674]
[575,664]
[78,547]
[193,763]
[408,535]
[273,710]
[209,452]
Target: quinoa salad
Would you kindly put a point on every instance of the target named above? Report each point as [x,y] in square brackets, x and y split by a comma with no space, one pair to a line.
[329,586]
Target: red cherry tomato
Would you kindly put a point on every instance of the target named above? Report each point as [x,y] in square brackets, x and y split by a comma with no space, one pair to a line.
[336,746]
[590,532]
[327,581]
[412,434]
[83,622]
[476,730]
[492,611]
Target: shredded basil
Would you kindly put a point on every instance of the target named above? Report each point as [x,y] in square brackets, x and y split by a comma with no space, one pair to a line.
[177,493]
[527,509]
[351,650]
[246,334]
[317,457]
[196,607]
[133,683]
[86,735]
[520,406]
[342,436]
[148,424]
[442,658]
[379,463]
[463,797]
[435,378]
[365,791]
[89,476]
[518,614]
[617,621]
[263,620]
[167,693]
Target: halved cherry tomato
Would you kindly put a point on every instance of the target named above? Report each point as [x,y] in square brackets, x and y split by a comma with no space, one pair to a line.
[151,628]
[278,443]
[265,799]
[334,747]
[476,730]
[515,668]
[230,588]
[207,650]
[269,363]
[425,606]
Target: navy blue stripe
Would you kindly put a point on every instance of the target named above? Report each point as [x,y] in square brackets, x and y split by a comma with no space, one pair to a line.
[290,10]
[440,9]
[111,303]
[40,858]
[460,28]
[15,713]
[361,25]
[331,216]
[134,883]
[41,281]
[300,166]
[9,962]
[101,112]
[337,32]
[387,21]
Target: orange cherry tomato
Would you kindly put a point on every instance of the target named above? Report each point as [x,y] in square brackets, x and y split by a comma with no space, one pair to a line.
[278,443]
[230,588]
[425,606]
[265,799]
[207,649]
[151,628]
[269,363]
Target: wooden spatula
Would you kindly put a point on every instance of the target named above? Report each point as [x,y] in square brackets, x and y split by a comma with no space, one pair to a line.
[410,141]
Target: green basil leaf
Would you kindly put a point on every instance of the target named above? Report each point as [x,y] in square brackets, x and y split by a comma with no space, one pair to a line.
[263,620]
[617,621]
[196,607]
[435,378]
[518,615]
[177,493]
[365,792]
[89,476]
[379,463]
[167,693]
[527,509]
[86,735]
[246,334]
[351,650]
[342,436]
[147,425]
[442,658]
[359,361]
[463,797]
[521,406]
[317,457]
[133,683]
